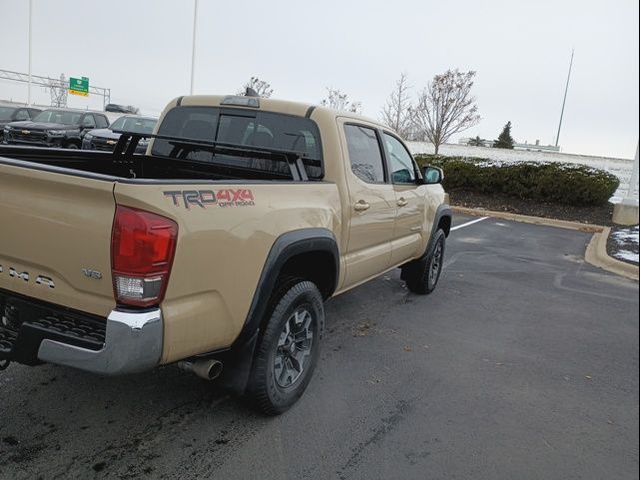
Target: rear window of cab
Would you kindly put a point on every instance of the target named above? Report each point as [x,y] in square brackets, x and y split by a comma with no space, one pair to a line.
[244,128]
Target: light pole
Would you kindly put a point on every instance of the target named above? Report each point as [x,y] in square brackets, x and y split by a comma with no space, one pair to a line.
[193,44]
[564,100]
[29,84]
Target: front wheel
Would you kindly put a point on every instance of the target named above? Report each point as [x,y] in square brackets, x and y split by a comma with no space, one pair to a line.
[288,350]
[423,275]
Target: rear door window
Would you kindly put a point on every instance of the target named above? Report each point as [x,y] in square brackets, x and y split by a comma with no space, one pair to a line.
[364,153]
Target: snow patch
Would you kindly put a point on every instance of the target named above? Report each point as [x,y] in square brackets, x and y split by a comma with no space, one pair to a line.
[627,255]
[628,235]
[624,239]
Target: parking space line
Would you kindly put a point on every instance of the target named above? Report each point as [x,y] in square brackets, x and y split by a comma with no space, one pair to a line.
[468,223]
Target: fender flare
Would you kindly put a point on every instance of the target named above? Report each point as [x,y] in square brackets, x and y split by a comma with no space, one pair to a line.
[286,246]
[238,359]
[442,211]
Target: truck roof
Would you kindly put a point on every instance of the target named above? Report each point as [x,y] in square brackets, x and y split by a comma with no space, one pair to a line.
[269,105]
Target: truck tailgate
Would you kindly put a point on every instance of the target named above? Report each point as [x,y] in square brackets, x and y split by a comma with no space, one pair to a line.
[55,238]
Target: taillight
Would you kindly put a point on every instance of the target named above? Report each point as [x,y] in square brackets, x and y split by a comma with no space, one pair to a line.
[142,248]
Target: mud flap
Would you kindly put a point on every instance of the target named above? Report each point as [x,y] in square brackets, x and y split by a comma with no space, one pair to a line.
[236,366]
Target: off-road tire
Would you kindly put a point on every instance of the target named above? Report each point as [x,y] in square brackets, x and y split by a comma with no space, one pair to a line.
[423,275]
[266,391]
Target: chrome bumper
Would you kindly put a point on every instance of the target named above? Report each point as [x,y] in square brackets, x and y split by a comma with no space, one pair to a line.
[133,343]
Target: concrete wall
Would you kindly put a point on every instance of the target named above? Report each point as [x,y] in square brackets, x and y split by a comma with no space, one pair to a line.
[620,167]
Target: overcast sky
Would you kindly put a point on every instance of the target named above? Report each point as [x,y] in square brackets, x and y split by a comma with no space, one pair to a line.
[142,51]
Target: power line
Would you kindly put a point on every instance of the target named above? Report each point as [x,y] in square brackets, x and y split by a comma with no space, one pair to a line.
[49,82]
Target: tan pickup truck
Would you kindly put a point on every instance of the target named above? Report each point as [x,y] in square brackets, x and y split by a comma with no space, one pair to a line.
[217,248]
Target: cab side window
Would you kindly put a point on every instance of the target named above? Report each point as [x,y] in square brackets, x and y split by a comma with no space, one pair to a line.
[101,121]
[364,153]
[400,161]
[22,114]
[88,121]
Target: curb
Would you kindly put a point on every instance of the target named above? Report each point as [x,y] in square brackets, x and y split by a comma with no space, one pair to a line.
[597,255]
[516,217]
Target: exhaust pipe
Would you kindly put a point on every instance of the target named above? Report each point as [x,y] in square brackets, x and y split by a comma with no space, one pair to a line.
[208,369]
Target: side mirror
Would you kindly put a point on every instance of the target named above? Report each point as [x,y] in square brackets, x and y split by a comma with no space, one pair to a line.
[432,175]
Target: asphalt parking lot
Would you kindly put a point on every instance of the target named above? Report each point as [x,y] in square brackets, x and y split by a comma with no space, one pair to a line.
[523,364]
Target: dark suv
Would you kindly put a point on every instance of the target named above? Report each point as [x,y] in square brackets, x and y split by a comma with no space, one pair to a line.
[11,113]
[55,127]
[106,138]
[114,107]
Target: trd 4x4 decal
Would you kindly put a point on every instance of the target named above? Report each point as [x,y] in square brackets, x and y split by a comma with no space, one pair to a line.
[240,197]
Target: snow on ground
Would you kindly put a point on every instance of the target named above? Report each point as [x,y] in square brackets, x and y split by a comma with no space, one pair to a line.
[627,238]
[620,167]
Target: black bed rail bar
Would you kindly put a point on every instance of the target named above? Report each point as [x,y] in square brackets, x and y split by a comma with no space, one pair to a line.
[296,161]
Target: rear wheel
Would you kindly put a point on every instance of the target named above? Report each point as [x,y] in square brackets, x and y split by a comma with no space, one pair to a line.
[289,348]
[72,146]
[423,275]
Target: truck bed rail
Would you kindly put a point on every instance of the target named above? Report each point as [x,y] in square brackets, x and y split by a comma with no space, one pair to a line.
[296,161]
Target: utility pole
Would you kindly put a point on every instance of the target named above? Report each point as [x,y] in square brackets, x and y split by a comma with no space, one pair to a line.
[29,84]
[564,100]
[193,44]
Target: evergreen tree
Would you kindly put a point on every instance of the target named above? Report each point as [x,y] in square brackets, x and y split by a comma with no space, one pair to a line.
[505,140]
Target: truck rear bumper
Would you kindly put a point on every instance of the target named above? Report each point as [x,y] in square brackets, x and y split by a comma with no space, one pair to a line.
[133,343]
[33,331]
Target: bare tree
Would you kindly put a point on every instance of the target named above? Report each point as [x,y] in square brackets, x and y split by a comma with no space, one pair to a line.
[337,100]
[446,107]
[397,112]
[261,87]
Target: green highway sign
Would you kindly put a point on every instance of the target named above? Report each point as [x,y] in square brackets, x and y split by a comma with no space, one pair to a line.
[79,86]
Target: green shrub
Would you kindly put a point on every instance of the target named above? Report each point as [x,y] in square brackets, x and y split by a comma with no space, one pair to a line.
[563,183]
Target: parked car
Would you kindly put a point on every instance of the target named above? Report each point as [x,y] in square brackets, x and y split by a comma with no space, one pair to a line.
[216,250]
[13,113]
[106,138]
[55,127]
[114,107]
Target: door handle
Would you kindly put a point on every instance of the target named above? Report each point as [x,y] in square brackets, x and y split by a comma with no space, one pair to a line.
[402,202]
[361,206]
